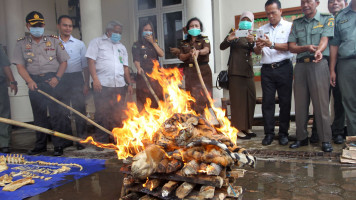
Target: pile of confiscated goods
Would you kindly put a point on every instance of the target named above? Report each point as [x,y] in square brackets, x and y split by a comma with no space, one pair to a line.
[349,152]
[28,170]
[189,159]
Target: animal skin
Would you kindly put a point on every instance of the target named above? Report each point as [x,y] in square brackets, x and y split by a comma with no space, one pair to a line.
[195,139]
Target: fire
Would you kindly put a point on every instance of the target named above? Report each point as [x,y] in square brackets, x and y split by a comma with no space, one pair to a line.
[139,127]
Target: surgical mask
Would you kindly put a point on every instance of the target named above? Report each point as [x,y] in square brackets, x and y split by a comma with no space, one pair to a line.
[245,25]
[37,31]
[144,33]
[115,37]
[194,32]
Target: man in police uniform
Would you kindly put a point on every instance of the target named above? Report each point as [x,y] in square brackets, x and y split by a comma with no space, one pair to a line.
[6,80]
[309,39]
[41,61]
[343,50]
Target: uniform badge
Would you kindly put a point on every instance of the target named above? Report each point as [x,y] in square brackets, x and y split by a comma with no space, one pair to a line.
[50,58]
[61,45]
[143,47]
[331,24]
[145,56]
[29,54]
[199,43]
[28,46]
[48,43]
[29,60]
[207,41]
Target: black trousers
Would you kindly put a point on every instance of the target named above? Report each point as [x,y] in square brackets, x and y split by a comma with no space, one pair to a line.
[108,111]
[276,80]
[71,89]
[40,104]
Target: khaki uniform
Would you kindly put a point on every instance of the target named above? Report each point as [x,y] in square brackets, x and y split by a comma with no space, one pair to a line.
[42,61]
[145,53]
[192,83]
[5,129]
[345,38]
[242,89]
[311,80]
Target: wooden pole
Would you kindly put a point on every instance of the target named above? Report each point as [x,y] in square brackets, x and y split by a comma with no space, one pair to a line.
[143,74]
[40,129]
[54,133]
[76,112]
[205,90]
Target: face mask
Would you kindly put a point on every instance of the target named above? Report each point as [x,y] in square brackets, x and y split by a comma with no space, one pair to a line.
[115,37]
[245,25]
[194,32]
[144,33]
[185,36]
[37,31]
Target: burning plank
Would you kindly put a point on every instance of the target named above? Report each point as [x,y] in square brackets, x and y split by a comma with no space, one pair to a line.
[184,189]
[191,168]
[152,184]
[163,165]
[168,188]
[174,165]
[207,192]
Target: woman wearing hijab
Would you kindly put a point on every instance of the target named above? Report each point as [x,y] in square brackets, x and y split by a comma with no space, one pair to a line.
[242,89]
[144,51]
[196,45]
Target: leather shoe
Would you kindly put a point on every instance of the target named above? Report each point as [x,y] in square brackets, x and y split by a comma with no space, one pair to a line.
[283,140]
[314,138]
[243,136]
[80,147]
[326,147]
[58,151]
[338,139]
[249,134]
[5,150]
[299,143]
[267,140]
[36,151]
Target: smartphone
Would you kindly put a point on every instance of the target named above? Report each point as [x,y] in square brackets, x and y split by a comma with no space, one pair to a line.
[260,34]
[241,33]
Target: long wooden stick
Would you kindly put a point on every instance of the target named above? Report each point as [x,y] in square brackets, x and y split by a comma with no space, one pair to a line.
[143,74]
[40,129]
[206,90]
[58,134]
[76,112]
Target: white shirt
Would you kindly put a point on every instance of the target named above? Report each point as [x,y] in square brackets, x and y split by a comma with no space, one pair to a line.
[278,34]
[76,51]
[110,60]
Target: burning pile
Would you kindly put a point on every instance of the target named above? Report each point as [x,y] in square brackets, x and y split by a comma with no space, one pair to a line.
[173,139]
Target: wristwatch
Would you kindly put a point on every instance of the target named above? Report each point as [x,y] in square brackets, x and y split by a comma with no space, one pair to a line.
[272,46]
[13,83]
[58,78]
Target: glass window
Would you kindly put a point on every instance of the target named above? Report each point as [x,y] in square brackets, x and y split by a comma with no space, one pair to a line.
[172,26]
[171,2]
[146,4]
[151,18]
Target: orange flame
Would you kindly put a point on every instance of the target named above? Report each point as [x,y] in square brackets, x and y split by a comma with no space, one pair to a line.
[118,98]
[139,127]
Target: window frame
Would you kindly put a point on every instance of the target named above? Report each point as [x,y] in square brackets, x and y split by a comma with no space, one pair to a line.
[159,11]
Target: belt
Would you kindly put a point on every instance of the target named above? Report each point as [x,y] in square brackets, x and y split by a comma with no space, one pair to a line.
[349,57]
[277,64]
[200,63]
[43,77]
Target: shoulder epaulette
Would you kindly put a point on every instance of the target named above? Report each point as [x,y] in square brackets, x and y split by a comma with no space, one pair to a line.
[204,36]
[22,38]
[326,14]
[54,36]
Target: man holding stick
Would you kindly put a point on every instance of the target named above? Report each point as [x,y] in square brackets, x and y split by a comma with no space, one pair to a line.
[6,80]
[74,87]
[108,67]
[41,61]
